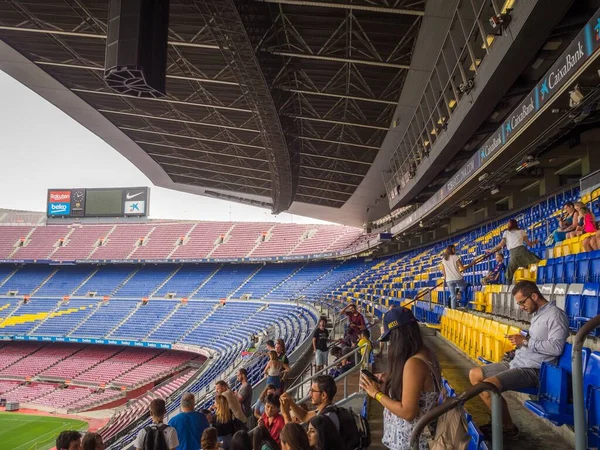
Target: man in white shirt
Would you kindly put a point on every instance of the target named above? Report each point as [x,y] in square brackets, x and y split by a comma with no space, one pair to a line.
[158,430]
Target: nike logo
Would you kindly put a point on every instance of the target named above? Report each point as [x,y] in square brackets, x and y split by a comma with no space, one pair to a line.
[130,196]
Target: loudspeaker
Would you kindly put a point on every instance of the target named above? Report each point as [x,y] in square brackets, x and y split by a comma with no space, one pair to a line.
[136,47]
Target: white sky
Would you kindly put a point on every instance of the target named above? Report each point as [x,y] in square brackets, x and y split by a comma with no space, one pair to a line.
[42,148]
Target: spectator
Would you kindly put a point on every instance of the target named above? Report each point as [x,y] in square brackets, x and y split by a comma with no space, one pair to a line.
[68,440]
[293,437]
[224,421]
[452,267]
[365,339]
[189,424]
[244,393]
[273,371]
[280,350]
[272,419]
[592,242]
[92,441]
[411,382]
[493,277]
[545,342]
[152,435]
[262,439]
[259,406]
[221,387]
[344,365]
[567,223]
[322,392]
[209,440]
[241,441]
[356,323]
[270,344]
[320,341]
[323,435]
[586,222]
[514,239]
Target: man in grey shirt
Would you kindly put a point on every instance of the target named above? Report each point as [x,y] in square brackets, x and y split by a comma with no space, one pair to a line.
[244,393]
[545,342]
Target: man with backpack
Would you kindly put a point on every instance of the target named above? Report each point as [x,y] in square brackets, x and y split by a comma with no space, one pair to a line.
[157,436]
[322,391]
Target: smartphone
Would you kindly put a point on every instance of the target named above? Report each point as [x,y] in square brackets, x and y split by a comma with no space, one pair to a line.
[370,375]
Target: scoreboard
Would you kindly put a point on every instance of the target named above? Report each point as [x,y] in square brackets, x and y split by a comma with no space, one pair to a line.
[104,202]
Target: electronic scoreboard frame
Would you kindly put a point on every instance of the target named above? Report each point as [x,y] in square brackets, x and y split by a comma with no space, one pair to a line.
[98,202]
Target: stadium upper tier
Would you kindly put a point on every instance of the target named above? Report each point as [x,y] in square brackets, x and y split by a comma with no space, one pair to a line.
[180,240]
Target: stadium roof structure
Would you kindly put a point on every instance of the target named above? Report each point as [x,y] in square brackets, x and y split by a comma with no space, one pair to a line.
[279,103]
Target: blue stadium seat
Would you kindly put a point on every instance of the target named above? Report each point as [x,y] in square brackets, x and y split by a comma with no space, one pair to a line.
[582,267]
[569,269]
[573,303]
[590,305]
[555,394]
[592,386]
[594,266]
[558,272]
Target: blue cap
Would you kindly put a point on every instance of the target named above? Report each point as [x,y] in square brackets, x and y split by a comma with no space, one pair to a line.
[394,318]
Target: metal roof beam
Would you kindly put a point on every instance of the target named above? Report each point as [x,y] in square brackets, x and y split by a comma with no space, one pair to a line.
[168,119]
[351,6]
[196,138]
[181,166]
[181,158]
[332,171]
[328,94]
[101,69]
[337,59]
[197,150]
[98,36]
[337,122]
[322,198]
[328,181]
[329,141]
[219,181]
[335,158]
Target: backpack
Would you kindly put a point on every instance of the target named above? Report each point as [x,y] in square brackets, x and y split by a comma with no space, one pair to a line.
[354,428]
[155,438]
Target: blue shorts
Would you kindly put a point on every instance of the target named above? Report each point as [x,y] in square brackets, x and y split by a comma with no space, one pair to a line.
[321,357]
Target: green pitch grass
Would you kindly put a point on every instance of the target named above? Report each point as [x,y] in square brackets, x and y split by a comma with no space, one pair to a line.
[27,432]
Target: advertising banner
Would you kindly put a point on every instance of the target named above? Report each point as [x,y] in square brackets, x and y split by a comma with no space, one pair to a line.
[91,341]
[135,201]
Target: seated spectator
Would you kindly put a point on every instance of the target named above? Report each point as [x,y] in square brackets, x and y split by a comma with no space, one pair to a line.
[320,342]
[68,440]
[592,242]
[189,424]
[241,441]
[262,439]
[209,440]
[272,419]
[323,435]
[586,222]
[356,323]
[411,384]
[259,406]
[224,421]
[545,342]
[222,388]
[274,370]
[151,436]
[322,392]
[92,441]
[345,364]
[567,222]
[365,339]
[293,437]
[494,276]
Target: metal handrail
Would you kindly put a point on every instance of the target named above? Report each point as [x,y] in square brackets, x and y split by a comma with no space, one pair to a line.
[459,400]
[578,387]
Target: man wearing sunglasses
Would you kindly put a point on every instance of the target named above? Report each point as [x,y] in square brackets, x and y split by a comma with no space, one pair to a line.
[545,342]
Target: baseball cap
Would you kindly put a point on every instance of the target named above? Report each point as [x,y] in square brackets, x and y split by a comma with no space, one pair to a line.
[394,318]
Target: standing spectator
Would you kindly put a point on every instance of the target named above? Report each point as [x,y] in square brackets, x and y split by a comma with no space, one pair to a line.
[262,439]
[365,340]
[68,440]
[158,432]
[272,419]
[514,239]
[92,441]
[280,350]
[319,341]
[545,342]
[259,406]
[451,268]
[270,344]
[322,392]
[356,323]
[210,440]
[493,277]
[323,435]
[273,371]
[244,393]
[293,437]
[411,384]
[241,441]
[221,387]
[224,421]
[189,424]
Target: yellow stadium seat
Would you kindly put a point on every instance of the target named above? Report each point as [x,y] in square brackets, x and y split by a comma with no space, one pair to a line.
[488,343]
